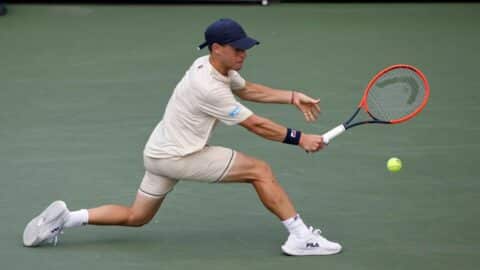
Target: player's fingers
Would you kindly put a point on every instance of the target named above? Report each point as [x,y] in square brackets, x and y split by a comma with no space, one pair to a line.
[308,115]
[320,145]
[312,102]
[314,113]
[317,107]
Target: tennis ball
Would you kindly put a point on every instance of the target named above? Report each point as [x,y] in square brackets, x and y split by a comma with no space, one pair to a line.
[394,164]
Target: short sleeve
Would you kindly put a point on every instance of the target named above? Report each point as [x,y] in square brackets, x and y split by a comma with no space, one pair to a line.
[237,82]
[221,104]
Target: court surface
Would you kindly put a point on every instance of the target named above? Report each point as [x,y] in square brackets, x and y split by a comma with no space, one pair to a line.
[82,87]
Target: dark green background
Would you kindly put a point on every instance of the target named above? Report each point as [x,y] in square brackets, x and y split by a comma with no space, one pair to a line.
[81,88]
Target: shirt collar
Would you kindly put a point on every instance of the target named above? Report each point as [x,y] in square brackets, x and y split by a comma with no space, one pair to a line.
[217,75]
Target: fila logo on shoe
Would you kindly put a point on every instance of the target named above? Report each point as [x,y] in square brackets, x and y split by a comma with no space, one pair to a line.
[312,245]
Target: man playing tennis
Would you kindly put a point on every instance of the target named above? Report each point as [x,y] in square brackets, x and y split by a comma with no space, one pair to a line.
[177,148]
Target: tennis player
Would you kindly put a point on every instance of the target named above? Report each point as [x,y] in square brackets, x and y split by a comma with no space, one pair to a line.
[177,148]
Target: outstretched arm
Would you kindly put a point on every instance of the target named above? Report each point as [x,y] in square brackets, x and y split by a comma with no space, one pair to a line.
[264,94]
[270,130]
[261,93]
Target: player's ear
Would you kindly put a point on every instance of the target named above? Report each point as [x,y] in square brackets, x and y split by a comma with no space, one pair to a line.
[216,48]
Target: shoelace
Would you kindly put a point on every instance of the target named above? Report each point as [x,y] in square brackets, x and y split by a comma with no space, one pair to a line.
[315,231]
[54,240]
[318,233]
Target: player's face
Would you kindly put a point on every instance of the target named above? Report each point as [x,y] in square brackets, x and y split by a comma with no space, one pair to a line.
[233,58]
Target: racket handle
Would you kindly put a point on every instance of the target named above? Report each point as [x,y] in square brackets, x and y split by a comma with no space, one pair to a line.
[332,133]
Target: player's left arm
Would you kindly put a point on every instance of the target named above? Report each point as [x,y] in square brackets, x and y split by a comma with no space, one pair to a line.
[264,94]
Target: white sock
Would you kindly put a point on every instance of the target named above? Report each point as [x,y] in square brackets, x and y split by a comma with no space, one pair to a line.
[296,226]
[77,219]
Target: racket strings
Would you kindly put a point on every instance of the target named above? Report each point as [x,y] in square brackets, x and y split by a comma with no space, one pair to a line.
[381,113]
[396,94]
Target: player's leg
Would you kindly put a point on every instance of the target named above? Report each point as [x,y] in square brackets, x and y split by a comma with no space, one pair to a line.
[139,213]
[302,240]
[150,195]
[260,175]
[56,217]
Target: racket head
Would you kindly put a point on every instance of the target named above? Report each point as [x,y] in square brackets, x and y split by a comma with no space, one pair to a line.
[396,94]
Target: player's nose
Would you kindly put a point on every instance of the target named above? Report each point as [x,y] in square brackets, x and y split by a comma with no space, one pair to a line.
[242,54]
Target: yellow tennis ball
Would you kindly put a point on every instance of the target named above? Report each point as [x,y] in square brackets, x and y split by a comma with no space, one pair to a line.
[394,164]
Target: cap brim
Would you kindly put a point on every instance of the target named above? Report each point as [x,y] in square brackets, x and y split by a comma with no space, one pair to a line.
[244,43]
[203,45]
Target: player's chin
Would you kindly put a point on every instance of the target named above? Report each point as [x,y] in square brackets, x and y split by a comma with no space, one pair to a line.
[237,66]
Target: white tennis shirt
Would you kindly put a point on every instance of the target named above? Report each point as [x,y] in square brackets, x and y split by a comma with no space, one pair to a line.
[199,100]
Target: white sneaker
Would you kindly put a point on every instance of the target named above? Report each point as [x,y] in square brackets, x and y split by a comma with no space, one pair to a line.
[313,244]
[47,226]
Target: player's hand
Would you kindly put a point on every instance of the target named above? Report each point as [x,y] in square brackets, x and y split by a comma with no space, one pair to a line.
[309,106]
[311,142]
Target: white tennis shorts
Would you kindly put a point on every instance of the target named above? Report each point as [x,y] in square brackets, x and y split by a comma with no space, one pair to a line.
[210,164]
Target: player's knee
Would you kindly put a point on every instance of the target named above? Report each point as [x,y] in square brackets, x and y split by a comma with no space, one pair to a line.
[263,172]
[138,219]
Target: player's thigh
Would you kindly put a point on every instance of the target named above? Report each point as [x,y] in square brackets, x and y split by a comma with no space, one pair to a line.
[153,185]
[210,165]
[246,168]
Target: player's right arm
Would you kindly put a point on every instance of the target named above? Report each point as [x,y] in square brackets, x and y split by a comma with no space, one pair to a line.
[220,104]
[270,130]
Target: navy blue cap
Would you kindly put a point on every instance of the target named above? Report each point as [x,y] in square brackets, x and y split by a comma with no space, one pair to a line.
[227,31]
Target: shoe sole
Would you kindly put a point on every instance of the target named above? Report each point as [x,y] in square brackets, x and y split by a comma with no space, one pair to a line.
[38,227]
[301,252]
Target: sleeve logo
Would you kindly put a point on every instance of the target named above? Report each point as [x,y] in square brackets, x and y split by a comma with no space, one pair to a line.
[235,111]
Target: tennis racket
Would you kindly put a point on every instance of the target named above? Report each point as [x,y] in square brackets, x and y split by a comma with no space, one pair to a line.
[395,95]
